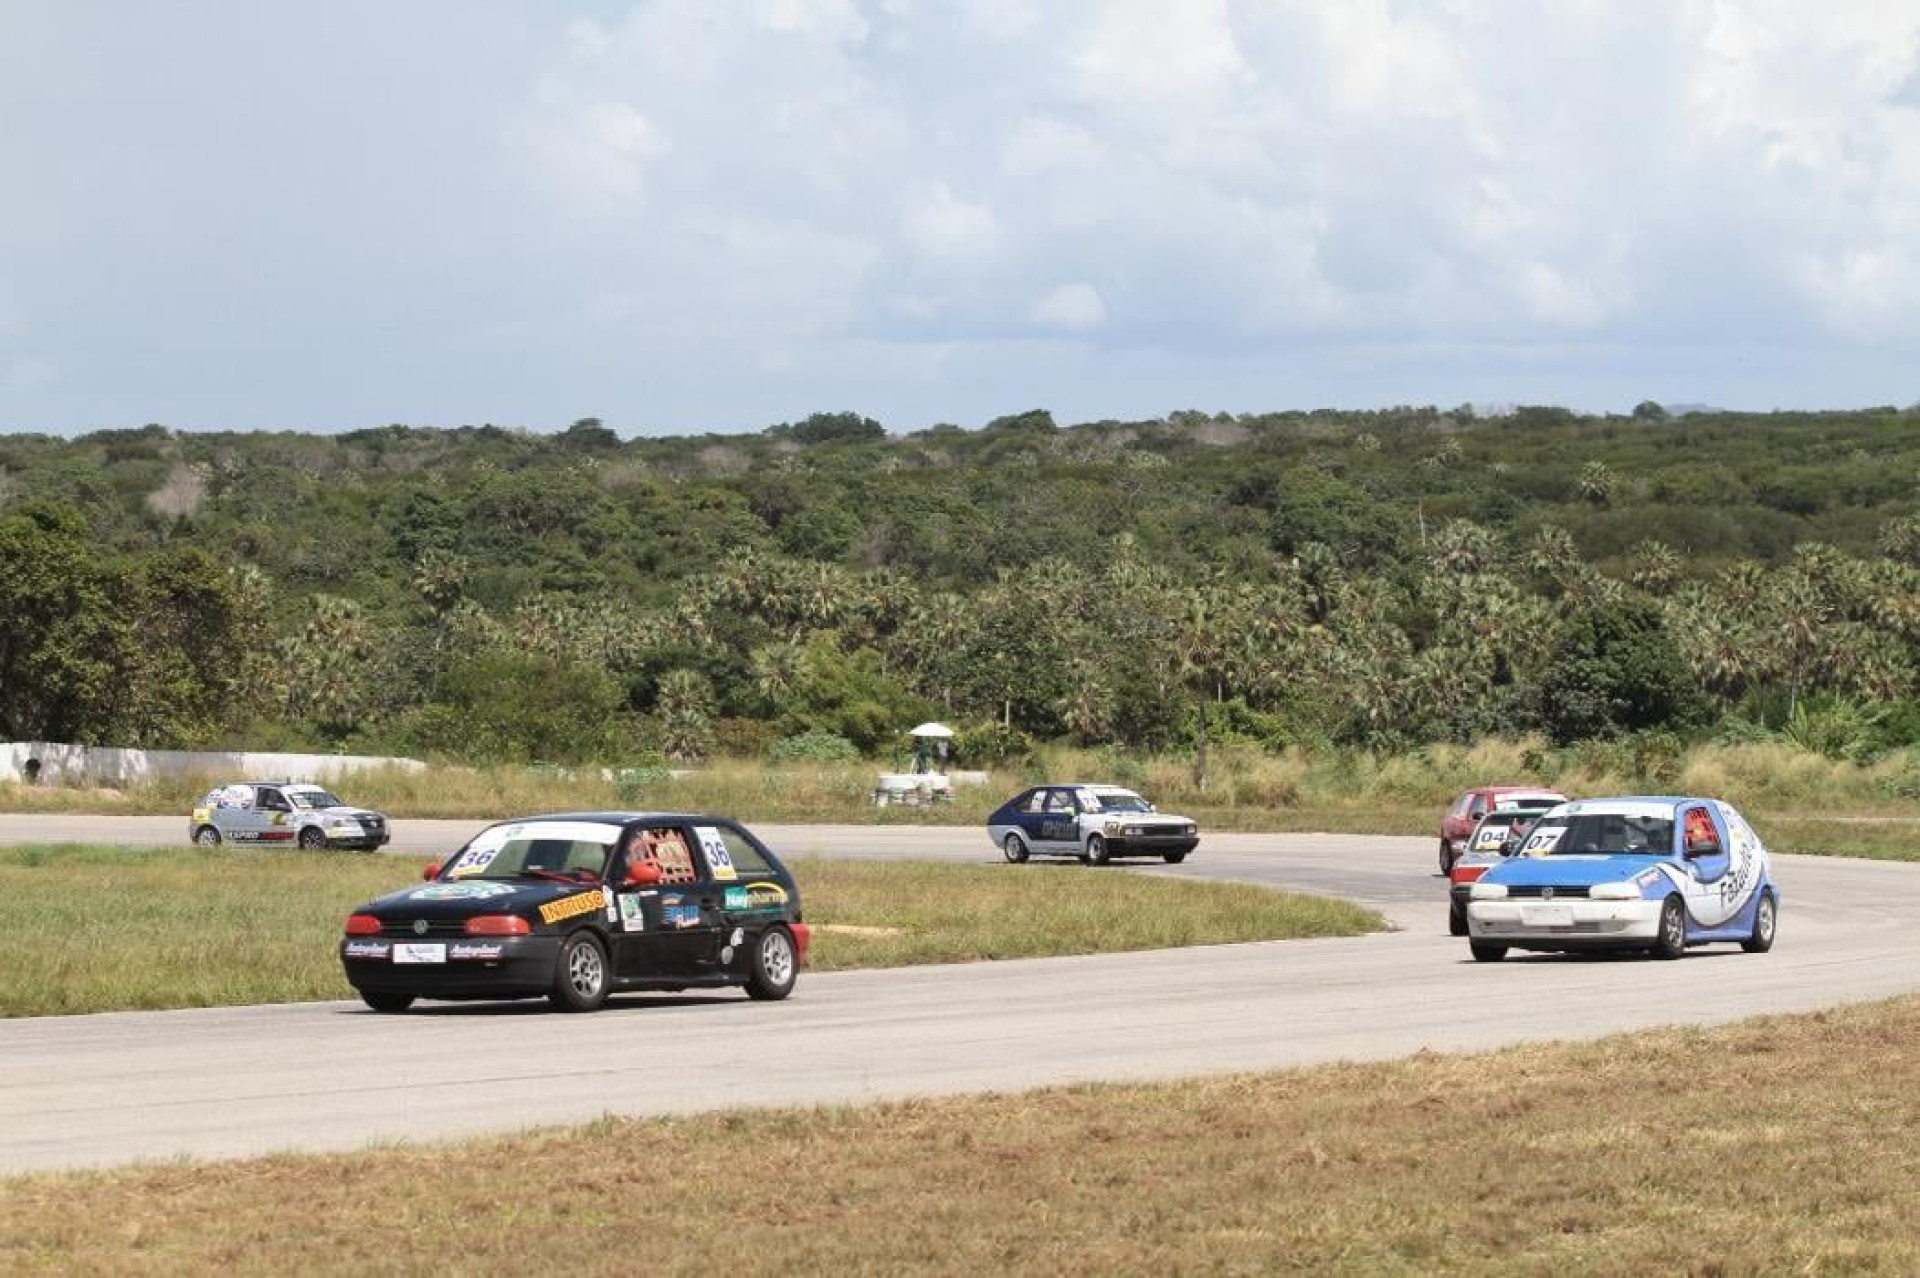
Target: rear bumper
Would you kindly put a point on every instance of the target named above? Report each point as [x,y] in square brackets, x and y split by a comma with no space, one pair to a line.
[475,967]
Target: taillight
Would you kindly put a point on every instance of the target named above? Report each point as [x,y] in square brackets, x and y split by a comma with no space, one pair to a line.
[362,925]
[497,925]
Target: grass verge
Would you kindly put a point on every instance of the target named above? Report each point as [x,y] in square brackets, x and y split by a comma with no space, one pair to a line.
[93,929]
[1797,1151]
[1791,795]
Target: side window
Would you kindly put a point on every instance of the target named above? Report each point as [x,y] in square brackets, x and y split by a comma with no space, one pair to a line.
[271,800]
[1036,802]
[666,847]
[1479,808]
[746,857]
[1460,805]
[1701,837]
[1059,801]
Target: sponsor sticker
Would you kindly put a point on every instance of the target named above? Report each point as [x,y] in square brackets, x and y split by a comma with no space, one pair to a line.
[631,917]
[756,896]
[460,891]
[680,916]
[369,949]
[476,949]
[715,849]
[568,907]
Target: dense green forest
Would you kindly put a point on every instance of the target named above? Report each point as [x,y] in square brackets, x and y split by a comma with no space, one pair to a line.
[1380,578]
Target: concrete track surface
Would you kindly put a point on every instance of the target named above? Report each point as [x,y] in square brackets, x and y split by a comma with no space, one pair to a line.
[105,1089]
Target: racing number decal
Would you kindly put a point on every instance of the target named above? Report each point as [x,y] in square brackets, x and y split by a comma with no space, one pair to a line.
[1542,842]
[714,848]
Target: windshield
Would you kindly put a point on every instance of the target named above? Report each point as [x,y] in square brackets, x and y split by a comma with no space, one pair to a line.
[314,798]
[575,850]
[1601,833]
[1118,801]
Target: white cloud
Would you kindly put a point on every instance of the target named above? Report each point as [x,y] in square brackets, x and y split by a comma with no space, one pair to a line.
[945,226]
[1071,306]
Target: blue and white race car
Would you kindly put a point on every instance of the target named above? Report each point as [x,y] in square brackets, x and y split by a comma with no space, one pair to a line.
[1657,874]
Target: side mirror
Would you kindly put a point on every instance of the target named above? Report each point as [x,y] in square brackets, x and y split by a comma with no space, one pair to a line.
[431,871]
[643,874]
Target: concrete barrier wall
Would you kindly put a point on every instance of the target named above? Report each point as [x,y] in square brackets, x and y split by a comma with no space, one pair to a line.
[52,763]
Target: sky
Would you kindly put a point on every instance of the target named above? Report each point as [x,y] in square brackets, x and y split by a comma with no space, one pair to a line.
[691,215]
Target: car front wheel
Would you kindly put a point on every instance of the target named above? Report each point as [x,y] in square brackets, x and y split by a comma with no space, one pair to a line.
[1016,849]
[1487,951]
[312,838]
[1456,919]
[1446,857]
[580,977]
[1766,919]
[774,966]
[1173,858]
[1672,941]
[206,836]
[1096,853]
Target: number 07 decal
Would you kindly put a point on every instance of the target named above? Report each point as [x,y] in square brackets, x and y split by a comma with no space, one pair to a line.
[714,848]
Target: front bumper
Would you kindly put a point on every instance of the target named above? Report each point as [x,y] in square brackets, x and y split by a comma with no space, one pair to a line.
[1564,924]
[1149,844]
[522,966]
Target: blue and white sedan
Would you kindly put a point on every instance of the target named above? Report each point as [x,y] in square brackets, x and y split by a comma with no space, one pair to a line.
[1659,874]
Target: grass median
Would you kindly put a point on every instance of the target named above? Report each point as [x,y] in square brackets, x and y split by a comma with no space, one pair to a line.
[94,929]
[1779,1145]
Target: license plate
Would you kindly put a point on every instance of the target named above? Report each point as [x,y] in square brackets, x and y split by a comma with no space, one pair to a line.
[1547,915]
[419,952]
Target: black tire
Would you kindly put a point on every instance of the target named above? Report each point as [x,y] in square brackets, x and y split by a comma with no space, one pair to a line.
[1456,919]
[312,838]
[1766,921]
[1015,849]
[775,966]
[382,1002]
[1446,857]
[580,979]
[1096,850]
[1672,940]
[207,837]
[1487,951]
[1173,858]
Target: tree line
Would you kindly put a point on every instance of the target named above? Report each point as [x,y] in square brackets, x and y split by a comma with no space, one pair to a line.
[1384,579]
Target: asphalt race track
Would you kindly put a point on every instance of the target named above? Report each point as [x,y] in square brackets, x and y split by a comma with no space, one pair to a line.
[111,1088]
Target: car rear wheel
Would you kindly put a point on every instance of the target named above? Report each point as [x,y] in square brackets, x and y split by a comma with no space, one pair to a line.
[1016,849]
[312,838]
[774,967]
[1096,853]
[1446,857]
[1766,919]
[1487,951]
[580,976]
[206,836]
[382,1002]
[1173,858]
[1456,919]
[1672,941]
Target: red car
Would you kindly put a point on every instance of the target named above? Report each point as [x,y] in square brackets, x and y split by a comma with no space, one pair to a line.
[1467,810]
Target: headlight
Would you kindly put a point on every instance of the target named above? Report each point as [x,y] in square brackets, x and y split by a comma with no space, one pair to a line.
[1113,828]
[1133,830]
[1489,891]
[1625,890]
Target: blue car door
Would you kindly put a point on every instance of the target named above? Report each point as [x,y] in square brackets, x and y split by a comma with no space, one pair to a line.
[1710,894]
[1059,821]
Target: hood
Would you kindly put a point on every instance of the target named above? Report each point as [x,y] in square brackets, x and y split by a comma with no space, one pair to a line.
[1567,871]
[342,810]
[460,898]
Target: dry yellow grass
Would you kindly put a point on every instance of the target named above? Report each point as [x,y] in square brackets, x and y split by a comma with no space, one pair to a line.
[1783,1145]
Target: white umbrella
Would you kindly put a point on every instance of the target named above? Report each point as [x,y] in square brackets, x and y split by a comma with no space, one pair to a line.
[932,730]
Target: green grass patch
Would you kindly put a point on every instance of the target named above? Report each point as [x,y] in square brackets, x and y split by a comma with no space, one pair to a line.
[94,929]
[1797,1152]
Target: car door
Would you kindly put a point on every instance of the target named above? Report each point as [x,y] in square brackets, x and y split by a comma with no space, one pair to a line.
[671,928]
[274,813]
[1060,821]
[1713,895]
[239,818]
[1029,814]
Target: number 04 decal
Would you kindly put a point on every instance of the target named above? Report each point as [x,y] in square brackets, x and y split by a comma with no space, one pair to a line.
[714,848]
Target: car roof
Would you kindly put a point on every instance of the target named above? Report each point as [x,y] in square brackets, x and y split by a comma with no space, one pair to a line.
[1635,804]
[613,818]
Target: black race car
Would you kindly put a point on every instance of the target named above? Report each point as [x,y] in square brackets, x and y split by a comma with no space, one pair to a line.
[582,905]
